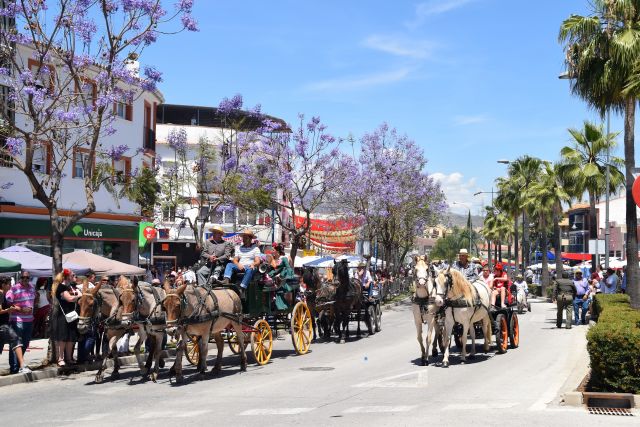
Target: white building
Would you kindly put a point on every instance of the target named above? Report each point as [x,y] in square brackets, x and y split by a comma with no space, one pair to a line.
[113,229]
[175,246]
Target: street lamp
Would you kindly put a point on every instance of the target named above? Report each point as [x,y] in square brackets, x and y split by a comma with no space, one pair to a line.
[503,161]
[566,75]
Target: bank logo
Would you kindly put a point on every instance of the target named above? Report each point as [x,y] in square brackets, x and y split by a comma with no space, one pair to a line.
[77,229]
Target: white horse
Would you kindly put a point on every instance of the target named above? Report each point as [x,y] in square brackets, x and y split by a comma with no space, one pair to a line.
[424,307]
[466,304]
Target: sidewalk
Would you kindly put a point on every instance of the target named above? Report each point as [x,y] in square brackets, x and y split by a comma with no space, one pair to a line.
[35,354]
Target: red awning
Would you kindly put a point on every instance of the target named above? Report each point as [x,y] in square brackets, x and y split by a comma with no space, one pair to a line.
[575,256]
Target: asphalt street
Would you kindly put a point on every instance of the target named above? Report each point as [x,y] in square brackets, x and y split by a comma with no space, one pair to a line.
[374,380]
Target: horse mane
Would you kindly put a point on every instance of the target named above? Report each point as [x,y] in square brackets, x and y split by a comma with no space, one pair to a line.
[123,283]
[460,287]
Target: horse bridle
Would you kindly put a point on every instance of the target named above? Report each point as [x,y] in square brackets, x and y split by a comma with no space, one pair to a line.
[183,303]
[97,305]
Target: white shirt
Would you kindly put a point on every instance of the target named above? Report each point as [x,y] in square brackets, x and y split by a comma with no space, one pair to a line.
[246,254]
[189,276]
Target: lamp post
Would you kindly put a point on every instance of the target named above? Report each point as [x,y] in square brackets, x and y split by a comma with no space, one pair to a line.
[488,241]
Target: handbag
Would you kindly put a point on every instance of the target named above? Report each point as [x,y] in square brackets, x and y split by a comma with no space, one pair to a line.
[71,316]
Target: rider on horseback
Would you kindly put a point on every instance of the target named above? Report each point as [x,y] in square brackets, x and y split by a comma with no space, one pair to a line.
[468,269]
[216,253]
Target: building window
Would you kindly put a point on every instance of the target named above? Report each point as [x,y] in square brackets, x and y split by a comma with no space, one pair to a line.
[81,163]
[88,91]
[41,161]
[6,119]
[43,74]
[123,110]
[122,170]
[169,214]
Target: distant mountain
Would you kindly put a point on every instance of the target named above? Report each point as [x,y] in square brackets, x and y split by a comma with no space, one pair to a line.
[460,220]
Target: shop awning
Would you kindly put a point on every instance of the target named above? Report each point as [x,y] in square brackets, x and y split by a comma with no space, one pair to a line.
[8,266]
[576,256]
[37,264]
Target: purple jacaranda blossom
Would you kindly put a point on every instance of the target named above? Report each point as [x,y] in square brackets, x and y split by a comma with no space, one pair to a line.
[225,208]
[189,23]
[184,5]
[116,152]
[177,139]
[14,146]
[228,106]
[230,163]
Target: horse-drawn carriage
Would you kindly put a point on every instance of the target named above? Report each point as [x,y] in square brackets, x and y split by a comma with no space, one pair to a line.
[266,309]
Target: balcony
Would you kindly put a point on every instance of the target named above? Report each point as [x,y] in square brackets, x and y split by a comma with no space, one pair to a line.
[149,142]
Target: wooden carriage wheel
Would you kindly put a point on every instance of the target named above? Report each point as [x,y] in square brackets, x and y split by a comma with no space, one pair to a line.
[514,331]
[192,349]
[301,328]
[261,342]
[502,333]
[232,341]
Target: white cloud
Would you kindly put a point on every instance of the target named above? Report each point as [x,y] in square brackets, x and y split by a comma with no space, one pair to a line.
[470,120]
[359,82]
[400,46]
[435,7]
[459,192]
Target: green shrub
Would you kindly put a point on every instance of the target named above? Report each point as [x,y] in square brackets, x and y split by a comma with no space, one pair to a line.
[614,345]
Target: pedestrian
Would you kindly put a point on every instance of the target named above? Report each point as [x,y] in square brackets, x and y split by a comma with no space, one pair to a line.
[87,341]
[63,329]
[564,293]
[43,307]
[623,285]
[581,300]
[610,282]
[22,295]
[7,334]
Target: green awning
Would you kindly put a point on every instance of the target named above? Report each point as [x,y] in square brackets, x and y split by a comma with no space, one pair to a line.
[8,266]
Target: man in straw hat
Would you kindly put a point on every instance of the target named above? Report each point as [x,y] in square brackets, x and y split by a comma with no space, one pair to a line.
[468,269]
[215,254]
[247,259]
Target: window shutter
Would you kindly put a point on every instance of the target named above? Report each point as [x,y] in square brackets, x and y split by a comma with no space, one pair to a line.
[129,112]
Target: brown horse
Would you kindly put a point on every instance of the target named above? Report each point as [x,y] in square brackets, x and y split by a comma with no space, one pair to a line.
[116,306]
[201,312]
[348,297]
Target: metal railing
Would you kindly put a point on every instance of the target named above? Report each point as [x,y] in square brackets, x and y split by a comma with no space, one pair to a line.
[397,286]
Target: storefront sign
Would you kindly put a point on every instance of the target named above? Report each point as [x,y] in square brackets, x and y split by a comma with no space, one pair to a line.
[33,228]
[147,232]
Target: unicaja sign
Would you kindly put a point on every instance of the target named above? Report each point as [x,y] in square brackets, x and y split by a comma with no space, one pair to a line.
[79,230]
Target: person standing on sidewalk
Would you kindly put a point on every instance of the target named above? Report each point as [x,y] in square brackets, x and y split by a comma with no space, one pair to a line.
[22,295]
[8,335]
[564,293]
[87,341]
[582,298]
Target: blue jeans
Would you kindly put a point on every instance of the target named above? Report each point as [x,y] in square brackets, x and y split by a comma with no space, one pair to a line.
[23,330]
[248,273]
[85,345]
[577,303]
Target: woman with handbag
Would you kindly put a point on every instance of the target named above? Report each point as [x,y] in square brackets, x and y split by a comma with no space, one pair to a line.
[64,316]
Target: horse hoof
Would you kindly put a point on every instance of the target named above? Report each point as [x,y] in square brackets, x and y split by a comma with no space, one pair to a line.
[161,363]
[115,375]
[425,362]
[179,379]
[99,379]
[172,371]
[342,341]
[201,376]
[154,377]
[445,364]
[144,372]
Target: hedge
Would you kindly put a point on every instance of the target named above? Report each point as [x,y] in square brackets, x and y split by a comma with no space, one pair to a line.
[614,345]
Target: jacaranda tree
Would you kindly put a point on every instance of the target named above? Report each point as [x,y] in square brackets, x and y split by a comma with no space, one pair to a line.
[66,63]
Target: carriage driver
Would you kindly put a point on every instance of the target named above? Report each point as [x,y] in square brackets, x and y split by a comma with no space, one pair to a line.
[215,254]
[468,269]
[365,278]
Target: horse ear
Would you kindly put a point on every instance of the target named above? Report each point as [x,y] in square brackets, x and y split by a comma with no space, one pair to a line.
[96,288]
[181,289]
[166,287]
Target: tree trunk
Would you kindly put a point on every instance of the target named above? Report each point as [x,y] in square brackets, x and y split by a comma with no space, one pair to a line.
[557,242]
[295,244]
[525,241]
[57,240]
[593,227]
[545,256]
[632,220]
[515,243]
[489,251]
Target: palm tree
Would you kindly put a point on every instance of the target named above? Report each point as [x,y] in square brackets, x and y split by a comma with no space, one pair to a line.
[508,201]
[585,165]
[542,200]
[524,172]
[602,57]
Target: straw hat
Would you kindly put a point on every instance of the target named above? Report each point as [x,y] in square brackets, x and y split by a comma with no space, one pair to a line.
[216,228]
[463,251]
[248,232]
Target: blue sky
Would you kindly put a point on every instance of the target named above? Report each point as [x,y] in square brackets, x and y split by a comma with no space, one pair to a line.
[471,81]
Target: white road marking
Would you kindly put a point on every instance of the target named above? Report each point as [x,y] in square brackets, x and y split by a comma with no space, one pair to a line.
[172,414]
[416,379]
[276,411]
[94,417]
[478,406]
[378,409]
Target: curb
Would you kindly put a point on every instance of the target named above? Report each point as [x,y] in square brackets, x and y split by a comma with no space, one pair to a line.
[53,372]
[390,305]
[576,398]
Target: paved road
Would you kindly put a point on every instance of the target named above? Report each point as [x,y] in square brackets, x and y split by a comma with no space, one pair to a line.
[375,380]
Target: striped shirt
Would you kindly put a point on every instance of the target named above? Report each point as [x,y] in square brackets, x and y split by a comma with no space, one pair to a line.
[21,296]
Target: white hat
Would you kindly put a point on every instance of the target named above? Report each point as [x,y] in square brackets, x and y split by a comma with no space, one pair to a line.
[463,251]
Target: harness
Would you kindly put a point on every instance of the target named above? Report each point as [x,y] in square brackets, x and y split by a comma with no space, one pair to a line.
[152,319]
[197,316]
[461,302]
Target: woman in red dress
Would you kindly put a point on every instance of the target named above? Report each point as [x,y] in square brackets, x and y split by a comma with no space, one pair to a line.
[500,283]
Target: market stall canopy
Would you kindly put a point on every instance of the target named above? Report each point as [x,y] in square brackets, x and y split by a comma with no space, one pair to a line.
[38,265]
[320,262]
[102,265]
[301,261]
[9,266]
